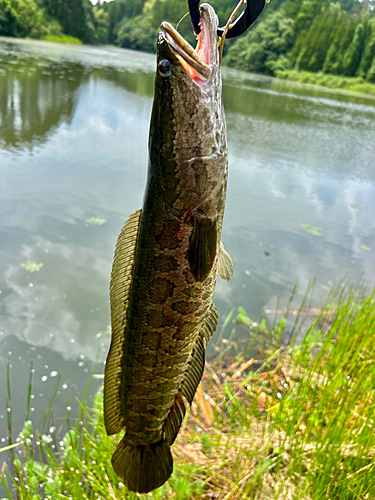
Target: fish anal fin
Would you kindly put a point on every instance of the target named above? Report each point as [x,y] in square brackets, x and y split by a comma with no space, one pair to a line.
[224,264]
[121,280]
[202,248]
[175,417]
[210,323]
[195,369]
[192,377]
[142,468]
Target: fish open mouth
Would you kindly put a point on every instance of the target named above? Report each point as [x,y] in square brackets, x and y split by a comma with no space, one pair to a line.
[197,62]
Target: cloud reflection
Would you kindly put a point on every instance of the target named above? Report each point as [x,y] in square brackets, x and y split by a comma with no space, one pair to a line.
[42,309]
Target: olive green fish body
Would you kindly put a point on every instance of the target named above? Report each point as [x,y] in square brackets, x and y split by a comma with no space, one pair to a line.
[167,307]
[165,266]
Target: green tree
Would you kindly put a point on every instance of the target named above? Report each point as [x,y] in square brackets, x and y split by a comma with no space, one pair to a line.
[116,13]
[22,18]
[369,51]
[304,14]
[307,13]
[346,5]
[333,57]
[346,40]
[8,19]
[100,22]
[362,6]
[137,33]
[165,10]
[128,8]
[319,37]
[353,55]
[31,19]
[371,72]
[73,15]
[260,49]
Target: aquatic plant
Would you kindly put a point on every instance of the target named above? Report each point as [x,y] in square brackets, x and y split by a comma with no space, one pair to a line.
[366,248]
[31,266]
[313,230]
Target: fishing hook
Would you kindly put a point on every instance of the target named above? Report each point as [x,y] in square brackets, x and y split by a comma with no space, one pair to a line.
[248,17]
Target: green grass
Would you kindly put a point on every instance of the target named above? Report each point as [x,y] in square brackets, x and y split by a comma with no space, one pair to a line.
[350,84]
[268,421]
[62,39]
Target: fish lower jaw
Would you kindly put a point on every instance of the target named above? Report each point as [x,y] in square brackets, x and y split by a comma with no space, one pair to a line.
[197,63]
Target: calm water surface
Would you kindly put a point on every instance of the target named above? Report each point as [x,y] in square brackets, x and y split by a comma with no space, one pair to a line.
[73,147]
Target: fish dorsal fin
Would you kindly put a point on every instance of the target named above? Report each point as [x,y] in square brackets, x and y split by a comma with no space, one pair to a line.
[224,264]
[121,279]
[202,248]
[191,378]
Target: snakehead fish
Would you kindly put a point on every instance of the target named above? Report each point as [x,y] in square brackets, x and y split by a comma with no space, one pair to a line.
[166,261]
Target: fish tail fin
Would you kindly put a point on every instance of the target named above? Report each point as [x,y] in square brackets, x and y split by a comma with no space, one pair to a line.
[143,468]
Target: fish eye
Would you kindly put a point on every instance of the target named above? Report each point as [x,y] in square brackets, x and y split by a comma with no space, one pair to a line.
[165,67]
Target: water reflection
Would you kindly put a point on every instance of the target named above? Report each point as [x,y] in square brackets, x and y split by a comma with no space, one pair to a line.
[73,146]
[37,98]
[35,101]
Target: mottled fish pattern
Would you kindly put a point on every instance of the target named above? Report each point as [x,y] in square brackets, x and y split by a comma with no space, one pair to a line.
[164,271]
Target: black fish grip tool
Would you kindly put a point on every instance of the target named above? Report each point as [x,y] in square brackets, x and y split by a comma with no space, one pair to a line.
[248,17]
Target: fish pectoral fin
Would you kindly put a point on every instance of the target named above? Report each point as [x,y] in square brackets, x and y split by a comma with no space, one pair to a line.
[121,280]
[202,248]
[224,264]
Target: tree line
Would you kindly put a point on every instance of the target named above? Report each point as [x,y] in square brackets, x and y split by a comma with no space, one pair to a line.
[329,36]
[333,37]
[126,23]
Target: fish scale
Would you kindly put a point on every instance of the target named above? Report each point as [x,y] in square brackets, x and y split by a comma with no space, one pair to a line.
[165,266]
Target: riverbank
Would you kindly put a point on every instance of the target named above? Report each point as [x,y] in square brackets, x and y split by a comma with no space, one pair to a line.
[62,39]
[268,421]
[341,85]
[355,85]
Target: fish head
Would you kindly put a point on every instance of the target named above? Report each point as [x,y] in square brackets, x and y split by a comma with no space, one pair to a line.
[188,155]
[200,63]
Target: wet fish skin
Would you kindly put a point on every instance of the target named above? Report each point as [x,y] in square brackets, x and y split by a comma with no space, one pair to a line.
[161,324]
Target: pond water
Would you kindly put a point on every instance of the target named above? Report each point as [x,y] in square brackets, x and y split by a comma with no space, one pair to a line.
[73,158]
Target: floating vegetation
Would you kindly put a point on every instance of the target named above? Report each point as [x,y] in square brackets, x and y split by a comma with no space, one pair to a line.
[313,230]
[106,332]
[366,248]
[31,266]
[95,221]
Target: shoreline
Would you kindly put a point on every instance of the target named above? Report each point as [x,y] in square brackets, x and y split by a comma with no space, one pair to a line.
[263,422]
[300,79]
